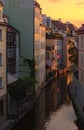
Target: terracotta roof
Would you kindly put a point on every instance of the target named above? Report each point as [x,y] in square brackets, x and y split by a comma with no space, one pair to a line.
[37,4]
[62,26]
[59,25]
[11,29]
[3,24]
[71,26]
[81,28]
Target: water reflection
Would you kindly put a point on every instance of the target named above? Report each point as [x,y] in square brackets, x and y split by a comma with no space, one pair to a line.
[62,119]
[49,112]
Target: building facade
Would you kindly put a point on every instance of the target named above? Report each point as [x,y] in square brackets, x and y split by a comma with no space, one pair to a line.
[80,33]
[54,51]
[42,54]
[11,50]
[70,42]
[3,84]
[39,46]
[27,18]
[22,17]
[12,45]
[51,60]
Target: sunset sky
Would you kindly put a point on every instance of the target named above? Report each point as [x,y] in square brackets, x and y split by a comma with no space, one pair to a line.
[67,10]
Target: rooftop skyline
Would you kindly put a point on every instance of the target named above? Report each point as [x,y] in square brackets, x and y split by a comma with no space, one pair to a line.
[67,10]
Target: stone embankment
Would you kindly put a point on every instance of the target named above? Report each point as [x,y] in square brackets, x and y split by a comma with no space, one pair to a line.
[76,92]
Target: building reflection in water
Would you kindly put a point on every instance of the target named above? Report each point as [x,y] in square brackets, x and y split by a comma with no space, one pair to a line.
[52,97]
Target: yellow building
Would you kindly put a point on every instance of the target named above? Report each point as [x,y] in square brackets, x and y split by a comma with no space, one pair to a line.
[39,46]
[3,91]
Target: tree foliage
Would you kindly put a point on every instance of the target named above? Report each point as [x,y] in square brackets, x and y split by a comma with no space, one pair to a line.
[17,90]
[31,65]
[73,53]
[52,35]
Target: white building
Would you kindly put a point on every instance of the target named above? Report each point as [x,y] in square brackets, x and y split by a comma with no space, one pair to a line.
[54,52]
[46,21]
[3,84]
[81,54]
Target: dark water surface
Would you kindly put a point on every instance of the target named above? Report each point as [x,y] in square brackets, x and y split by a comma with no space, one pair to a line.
[53,110]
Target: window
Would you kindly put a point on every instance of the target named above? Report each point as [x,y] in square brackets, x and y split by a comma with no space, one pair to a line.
[52,55]
[0,34]
[81,77]
[11,37]
[37,45]
[37,58]
[47,55]
[37,13]
[11,68]
[37,26]
[42,33]
[1,108]
[81,59]
[42,45]
[0,59]
[42,58]
[58,56]
[0,82]
[11,52]
[81,41]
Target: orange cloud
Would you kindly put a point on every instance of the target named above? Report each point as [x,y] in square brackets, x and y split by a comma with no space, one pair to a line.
[80,3]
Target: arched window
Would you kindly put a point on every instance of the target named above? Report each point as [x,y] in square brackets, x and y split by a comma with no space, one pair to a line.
[0,82]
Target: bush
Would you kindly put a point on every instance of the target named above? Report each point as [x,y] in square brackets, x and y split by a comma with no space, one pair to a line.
[17,90]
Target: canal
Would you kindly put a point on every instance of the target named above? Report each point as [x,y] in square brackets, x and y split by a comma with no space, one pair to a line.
[53,110]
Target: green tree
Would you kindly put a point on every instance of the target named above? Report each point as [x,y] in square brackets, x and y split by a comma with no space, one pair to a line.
[73,53]
[17,90]
[31,65]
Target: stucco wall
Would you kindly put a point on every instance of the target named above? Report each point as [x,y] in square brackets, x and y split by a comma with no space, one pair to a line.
[21,15]
[3,61]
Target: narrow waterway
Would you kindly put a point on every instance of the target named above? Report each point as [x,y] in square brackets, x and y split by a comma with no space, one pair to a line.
[53,110]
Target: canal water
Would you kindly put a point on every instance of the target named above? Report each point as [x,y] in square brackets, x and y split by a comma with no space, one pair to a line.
[53,110]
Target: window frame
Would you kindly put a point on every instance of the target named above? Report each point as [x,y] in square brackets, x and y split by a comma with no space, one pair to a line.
[0,59]
[1,34]
[1,107]
[0,82]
